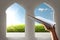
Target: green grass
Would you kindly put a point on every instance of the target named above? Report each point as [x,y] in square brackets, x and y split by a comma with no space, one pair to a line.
[40,28]
[21,28]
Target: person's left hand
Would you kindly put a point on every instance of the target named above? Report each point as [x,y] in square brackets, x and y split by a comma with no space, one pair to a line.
[49,27]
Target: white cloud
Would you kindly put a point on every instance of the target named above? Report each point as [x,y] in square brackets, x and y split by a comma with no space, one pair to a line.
[43,9]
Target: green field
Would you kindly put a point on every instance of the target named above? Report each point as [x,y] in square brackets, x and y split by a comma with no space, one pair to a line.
[21,28]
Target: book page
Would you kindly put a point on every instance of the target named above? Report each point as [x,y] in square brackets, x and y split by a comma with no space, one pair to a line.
[41,19]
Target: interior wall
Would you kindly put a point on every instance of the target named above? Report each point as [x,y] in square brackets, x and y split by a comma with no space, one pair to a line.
[3,6]
[29,4]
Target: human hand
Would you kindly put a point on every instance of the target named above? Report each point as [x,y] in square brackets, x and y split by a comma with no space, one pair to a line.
[52,30]
[49,27]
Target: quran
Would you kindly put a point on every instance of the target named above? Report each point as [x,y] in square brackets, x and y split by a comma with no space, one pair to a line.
[41,19]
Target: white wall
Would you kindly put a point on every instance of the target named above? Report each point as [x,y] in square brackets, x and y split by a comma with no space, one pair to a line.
[29,5]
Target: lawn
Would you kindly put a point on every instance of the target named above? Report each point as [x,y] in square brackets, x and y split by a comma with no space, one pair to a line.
[21,28]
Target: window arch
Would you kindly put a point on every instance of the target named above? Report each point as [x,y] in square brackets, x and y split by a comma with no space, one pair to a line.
[15,18]
[44,10]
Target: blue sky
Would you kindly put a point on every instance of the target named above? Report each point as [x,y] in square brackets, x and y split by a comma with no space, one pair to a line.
[16,13]
[44,11]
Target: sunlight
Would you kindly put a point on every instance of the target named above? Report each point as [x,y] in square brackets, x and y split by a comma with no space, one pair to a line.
[10,17]
[15,14]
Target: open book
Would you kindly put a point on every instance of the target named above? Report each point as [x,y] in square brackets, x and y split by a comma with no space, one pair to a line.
[42,20]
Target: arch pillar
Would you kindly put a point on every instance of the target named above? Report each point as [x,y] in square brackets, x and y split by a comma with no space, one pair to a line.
[29,29]
[3,5]
[2,24]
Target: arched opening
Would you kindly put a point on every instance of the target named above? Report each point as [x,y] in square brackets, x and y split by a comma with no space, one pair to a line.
[46,11]
[15,18]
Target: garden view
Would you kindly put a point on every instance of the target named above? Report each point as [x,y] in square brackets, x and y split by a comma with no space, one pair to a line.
[15,17]
[21,28]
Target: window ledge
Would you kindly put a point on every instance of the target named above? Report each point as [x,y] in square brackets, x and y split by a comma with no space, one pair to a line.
[21,36]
